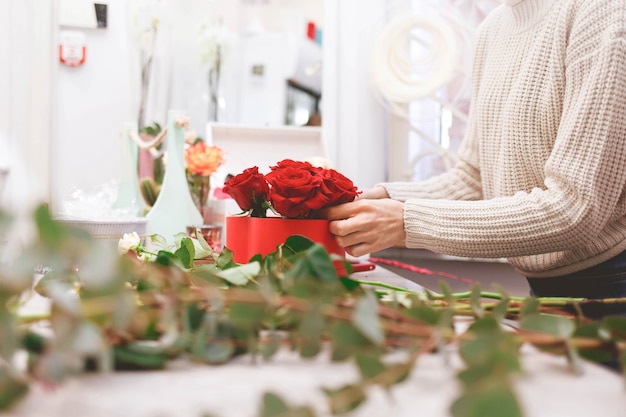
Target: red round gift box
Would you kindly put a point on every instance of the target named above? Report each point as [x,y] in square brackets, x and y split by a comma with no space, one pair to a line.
[248,236]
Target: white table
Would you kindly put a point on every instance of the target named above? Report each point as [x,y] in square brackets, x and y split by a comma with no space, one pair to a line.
[549,389]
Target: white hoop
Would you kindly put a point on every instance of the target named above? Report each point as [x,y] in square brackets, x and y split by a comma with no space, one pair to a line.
[141,144]
[397,76]
[181,122]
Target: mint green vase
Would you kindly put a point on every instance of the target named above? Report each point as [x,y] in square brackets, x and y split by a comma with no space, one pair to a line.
[129,196]
[174,208]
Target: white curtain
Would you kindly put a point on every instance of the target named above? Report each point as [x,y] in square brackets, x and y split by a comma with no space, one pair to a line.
[26,48]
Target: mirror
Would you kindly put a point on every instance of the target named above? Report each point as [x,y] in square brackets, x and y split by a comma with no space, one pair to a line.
[252,62]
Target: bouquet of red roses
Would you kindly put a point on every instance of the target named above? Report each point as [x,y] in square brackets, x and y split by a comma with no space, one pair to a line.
[293,189]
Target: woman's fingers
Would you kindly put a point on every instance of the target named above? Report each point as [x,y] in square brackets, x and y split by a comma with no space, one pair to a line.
[366,226]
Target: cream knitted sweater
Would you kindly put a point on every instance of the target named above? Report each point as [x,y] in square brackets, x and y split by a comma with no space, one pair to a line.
[541,178]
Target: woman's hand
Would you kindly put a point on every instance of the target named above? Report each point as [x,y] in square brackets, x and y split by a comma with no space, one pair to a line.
[364,225]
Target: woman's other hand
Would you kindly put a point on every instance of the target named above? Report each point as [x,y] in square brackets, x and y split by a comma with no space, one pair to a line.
[374,193]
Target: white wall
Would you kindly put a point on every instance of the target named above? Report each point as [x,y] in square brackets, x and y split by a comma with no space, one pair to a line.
[92,103]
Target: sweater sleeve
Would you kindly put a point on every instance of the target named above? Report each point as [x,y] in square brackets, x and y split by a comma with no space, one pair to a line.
[584,175]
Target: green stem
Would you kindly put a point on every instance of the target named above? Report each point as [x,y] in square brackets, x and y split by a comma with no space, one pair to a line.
[33,318]
[385,285]
[544,301]
[141,249]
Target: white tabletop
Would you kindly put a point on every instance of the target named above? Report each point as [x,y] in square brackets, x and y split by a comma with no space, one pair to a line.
[235,390]
[549,388]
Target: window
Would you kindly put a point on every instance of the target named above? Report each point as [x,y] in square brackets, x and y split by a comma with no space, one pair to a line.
[436,121]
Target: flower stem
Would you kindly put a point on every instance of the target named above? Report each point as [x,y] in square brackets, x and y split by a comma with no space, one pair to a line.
[385,285]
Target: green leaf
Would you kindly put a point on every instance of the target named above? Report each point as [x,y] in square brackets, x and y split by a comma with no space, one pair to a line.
[314,263]
[186,252]
[447,293]
[166,258]
[297,244]
[424,313]
[274,406]
[216,351]
[557,326]
[488,399]
[159,242]
[485,325]
[310,348]
[209,274]
[247,315]
[347,341]
[345,399]
[574,358]
[498,354]
[139,356]
[366,318]
[475,298]
[6,220]
[193,316]
[270,348]
[225,259]
[311,329]
[125,303]
[33,342]
[88,339]
[54,278]
[616,326]
[349,283]
[369,366]
[12,388]
[202,248]
[500,311]
[145,286]
[51,233]
[595,330]
[242,274]
[8,336]
[531,306]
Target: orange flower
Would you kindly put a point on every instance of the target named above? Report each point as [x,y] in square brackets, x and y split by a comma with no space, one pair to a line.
[203,160]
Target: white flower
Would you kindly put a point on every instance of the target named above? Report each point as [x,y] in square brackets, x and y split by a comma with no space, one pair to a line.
[130,241]
[190,137]
[146,40]
[213,40]
[401,298]
[145,16]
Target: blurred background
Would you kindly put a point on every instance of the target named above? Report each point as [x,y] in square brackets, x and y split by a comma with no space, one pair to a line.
[384,82]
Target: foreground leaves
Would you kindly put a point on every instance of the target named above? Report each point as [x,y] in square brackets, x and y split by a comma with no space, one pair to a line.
[185,301]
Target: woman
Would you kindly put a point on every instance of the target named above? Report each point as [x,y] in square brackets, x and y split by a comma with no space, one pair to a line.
[542,169]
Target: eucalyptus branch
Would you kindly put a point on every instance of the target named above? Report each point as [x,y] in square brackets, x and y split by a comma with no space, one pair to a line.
[166,305]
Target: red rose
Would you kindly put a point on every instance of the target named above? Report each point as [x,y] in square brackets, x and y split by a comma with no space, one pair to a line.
[288,163]
[249,189]
[298,189]
[295,187]
[337,187]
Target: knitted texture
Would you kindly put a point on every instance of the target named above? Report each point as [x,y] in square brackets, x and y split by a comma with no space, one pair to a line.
[542,170]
